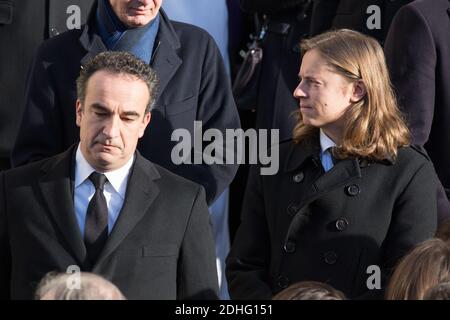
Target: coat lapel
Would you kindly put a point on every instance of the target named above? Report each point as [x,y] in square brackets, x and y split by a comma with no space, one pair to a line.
[165,60]
[89,40]
[342,173]
[56,186]
[93,47]
[141,192]
[298,154]
[309,149]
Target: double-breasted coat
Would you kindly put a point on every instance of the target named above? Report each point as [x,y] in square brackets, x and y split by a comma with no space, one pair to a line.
[304,224]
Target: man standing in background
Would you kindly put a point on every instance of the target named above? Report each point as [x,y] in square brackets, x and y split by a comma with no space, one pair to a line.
[193,86]
[24,24]
[417,52]
[213,17]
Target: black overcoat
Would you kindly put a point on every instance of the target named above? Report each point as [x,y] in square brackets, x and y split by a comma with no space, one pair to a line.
[304,224]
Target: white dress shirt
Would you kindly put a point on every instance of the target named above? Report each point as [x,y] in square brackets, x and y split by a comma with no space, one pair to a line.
[114,190]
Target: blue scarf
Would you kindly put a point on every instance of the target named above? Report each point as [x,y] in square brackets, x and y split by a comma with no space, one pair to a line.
[118,37]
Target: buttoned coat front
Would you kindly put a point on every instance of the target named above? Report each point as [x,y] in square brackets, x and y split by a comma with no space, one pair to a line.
[304,224]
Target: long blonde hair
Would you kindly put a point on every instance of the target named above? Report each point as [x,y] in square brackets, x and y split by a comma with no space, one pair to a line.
[374,127]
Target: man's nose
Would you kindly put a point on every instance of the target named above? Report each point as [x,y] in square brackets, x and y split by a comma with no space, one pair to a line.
[112,126]
[299,92]
[143,2]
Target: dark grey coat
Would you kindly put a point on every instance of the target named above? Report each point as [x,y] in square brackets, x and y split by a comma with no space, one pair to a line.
[161,246]
[304,224]
[418,55]
[193,85]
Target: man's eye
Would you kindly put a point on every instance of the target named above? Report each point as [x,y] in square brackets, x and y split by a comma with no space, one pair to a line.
[127,119]
[101,114]
[308,81]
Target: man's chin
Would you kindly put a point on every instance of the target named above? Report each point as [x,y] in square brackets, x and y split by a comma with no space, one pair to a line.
[106,161]
[103,166]
[138,21]
[308,121]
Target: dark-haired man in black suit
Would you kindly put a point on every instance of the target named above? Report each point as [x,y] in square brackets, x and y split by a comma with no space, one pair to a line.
[101,207]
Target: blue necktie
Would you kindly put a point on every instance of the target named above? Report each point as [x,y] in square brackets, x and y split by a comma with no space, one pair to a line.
[327,159]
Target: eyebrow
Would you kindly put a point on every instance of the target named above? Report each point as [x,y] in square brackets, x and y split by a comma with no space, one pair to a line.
[131,114]
[100,107]
[306,77]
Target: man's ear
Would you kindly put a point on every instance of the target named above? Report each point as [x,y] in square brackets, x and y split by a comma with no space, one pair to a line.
[359,91]
[146,121]
[79,111]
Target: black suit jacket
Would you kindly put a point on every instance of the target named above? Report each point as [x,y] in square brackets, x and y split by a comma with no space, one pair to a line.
[193,85]
[418,55]
[161,246]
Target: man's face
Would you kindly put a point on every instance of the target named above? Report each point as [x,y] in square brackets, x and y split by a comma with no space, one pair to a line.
[135,13]
[323,94]
[112,119]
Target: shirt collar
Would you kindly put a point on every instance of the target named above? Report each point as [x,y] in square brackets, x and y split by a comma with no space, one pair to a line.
[325,141]
[117,178]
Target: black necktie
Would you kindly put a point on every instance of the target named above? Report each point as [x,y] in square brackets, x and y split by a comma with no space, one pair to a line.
[96,226]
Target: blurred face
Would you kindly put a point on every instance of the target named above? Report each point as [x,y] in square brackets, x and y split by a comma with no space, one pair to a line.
[323,95]
[112,119]
[135,13]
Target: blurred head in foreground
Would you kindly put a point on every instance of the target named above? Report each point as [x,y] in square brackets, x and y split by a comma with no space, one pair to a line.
[310,290]
[76,286]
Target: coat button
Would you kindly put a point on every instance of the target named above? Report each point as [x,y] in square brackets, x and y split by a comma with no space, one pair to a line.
[292,209]
[283,282]
[352,190]
[53,32]
[289,247]
[301,16]
[330,257]
[341,224]
[363,163]
[298,177]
